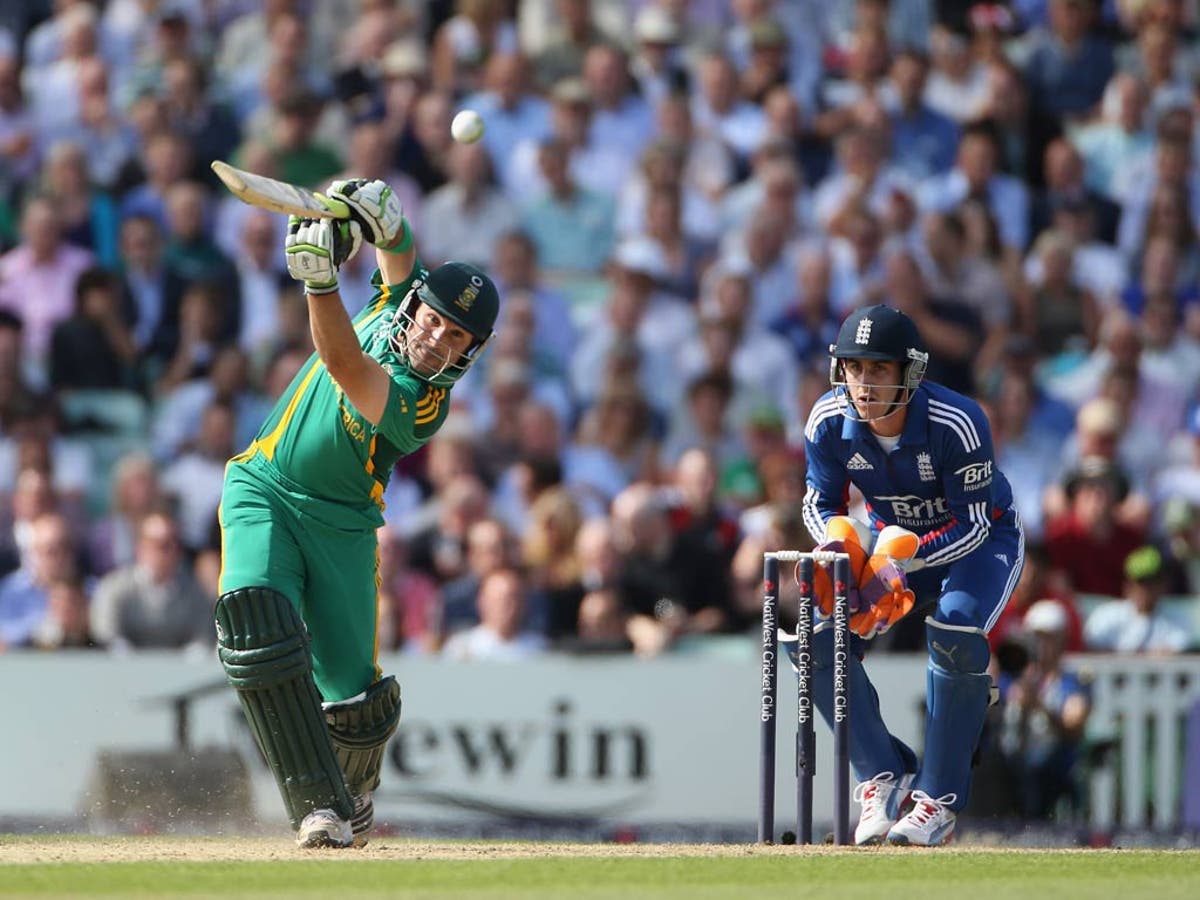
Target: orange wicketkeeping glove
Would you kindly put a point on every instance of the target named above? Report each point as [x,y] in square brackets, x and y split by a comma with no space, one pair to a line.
[842,535]
[884,597]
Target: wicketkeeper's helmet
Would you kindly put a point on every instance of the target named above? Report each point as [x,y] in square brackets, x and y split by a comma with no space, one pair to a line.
[464,295]
[878,332]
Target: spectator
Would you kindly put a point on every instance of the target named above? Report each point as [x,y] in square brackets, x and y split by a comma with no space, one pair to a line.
[154,602]
[1069,64]
[195,477]
[136,492]
[37,277]
[572,227]
[511,112]
[704,422]
[657,62]
[88,217]
[1136,624]
[1117,139]
[516,268]
[674,583]
[923,140]
[1045,713]
[166,160]
[1087,542]
[25,593]
[464,42]
[148,286]
[549,556]
[32,496]
[567,46]
[466,217]
[1058,314]
[66,625]
[976,174]
[718,110]
[411,618]
[500,634]
[94,347]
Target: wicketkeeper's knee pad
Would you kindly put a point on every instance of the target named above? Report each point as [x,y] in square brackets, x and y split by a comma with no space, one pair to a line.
[263,646]
[360,728]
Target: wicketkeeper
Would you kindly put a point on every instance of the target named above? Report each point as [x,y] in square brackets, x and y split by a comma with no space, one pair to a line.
[944,541]
[297,616]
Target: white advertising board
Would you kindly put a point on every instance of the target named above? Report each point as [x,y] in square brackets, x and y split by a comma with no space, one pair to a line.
[619,741]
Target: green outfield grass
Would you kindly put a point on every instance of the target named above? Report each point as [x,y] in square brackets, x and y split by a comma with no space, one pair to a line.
[578,873]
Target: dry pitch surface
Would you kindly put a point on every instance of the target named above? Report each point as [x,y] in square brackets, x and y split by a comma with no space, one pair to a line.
[226,868]
[31,850]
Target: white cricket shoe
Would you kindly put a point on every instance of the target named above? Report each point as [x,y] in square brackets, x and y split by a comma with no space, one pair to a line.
[324,828]
[363,818]
[881,798]
[929,824]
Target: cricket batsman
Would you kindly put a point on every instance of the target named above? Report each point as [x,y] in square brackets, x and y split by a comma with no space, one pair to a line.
[296,616]
[948,544]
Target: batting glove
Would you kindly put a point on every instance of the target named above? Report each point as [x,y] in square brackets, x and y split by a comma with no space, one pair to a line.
[373,205]
[317,248]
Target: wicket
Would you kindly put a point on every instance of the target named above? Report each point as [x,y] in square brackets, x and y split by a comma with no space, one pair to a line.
[805,734]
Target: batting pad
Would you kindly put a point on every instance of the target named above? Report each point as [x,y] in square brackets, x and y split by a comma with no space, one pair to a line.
[263,647]
[360,728]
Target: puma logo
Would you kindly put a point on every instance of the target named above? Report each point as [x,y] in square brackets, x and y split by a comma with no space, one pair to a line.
[946,652]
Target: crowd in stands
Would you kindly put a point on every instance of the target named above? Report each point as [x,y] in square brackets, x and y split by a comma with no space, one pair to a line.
[680,202]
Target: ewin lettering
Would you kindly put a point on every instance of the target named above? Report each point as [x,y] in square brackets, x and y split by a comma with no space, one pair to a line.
[482,750]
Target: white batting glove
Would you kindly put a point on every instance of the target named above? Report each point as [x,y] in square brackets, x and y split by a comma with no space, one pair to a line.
[373,205]
[317,248]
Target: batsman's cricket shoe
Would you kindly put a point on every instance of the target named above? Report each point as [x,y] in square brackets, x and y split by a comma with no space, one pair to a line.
[324,828]
[881,798]
[929,824]
[363,818]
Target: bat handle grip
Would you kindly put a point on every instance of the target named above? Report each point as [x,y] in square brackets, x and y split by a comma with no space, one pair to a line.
[339,209]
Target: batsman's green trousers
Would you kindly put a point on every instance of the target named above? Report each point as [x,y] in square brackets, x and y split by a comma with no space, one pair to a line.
[319,555]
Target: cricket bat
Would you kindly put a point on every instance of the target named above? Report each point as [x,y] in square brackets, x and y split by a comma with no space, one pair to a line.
[278,196]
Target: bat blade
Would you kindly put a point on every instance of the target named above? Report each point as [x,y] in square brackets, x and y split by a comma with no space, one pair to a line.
[278,196]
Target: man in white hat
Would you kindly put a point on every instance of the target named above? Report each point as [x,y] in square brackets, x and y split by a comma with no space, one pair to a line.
[1045,711]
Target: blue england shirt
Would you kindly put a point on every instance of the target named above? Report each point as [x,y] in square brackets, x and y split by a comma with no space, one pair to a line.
[940,482]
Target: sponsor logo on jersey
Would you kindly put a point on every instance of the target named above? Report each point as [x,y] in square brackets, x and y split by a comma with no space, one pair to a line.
[857,463]
[912,511]
[925,467]
[976,475]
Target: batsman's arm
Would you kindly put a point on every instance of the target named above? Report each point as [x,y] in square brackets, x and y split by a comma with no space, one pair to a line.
[361,378]
[396,261]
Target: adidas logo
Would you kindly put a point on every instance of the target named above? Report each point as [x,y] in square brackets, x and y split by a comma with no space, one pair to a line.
[856,463]
[1002,557]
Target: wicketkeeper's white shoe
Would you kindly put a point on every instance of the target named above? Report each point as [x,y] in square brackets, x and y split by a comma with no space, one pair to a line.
[929,824]
[881,798]
[363,818]
[324,828]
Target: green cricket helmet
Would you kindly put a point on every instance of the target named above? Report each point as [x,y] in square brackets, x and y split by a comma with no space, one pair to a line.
[467,297]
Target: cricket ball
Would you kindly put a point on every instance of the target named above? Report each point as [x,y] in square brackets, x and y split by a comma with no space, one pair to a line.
[467,126]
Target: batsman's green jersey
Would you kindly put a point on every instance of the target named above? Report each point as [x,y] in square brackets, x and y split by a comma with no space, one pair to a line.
[301,504]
